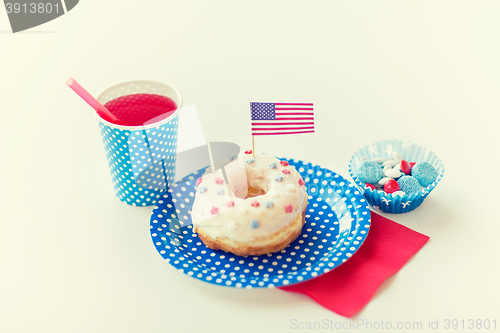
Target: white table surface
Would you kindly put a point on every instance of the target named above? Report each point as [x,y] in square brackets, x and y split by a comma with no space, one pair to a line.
[73,258]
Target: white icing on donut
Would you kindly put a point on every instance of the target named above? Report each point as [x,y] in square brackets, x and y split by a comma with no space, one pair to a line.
[253,217]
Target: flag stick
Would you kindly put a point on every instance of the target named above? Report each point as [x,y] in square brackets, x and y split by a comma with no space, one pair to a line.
[253,145]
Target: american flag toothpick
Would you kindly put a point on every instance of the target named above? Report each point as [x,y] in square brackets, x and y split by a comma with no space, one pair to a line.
[281,118]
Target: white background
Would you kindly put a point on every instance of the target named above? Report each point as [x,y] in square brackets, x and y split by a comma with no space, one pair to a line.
[73,258]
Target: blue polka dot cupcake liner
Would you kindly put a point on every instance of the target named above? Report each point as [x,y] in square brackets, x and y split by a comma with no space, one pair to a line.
[141,159]
[387,202]
[337,222]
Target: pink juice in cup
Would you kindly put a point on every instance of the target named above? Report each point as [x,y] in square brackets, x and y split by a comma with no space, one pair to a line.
[141,144]
[140,109]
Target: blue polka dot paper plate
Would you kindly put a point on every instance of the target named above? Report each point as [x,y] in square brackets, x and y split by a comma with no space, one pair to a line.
[337,223]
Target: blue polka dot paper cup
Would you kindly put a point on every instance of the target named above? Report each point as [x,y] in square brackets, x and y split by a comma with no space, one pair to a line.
[388,202]
[141,158]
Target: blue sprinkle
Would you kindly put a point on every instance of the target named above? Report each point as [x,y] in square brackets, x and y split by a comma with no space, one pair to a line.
[408,184]
[220,191]
[268,204]
[250,161]
[273,166]
[425,173]
[232,158]
[370,172]
[202,189]
[254,224]
[278,178]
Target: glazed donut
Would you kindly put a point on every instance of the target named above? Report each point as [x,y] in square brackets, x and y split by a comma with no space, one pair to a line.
[261,210]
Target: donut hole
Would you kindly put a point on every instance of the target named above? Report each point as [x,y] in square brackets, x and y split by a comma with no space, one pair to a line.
[256,188]
[254,192]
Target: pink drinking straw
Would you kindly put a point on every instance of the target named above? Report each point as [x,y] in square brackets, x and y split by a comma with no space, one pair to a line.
[94,103]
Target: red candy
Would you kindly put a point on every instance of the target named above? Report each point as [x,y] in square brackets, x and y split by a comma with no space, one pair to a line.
[286,171]
[219,180]
[248,152]
[391,186]
[230,204]
[301,182]
[284,163]
[255,203]
[198,182]
[288,208]
[370,186]
[406,167]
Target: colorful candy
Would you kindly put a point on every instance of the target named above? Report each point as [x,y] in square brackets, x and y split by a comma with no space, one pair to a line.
[391,186]
[384,180]
[390,163]
[370,172]
[425,173]
[408,184]
[395,174]
[405,167]
[397,156]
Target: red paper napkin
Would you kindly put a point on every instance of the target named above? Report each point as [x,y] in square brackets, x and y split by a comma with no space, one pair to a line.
[348,288]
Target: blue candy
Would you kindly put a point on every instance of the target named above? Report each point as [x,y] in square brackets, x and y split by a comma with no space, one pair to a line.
[424,173]
[408,184]
[370,172]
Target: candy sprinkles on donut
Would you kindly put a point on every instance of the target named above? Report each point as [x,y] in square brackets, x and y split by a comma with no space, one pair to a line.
[260,211]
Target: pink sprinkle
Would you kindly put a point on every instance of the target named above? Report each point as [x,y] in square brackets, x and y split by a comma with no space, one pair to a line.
[255,203]
[230,204]
[198,182]
[288,208]
[301,182]
[214,210]
[219,180]
[284,163]
[286,171]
